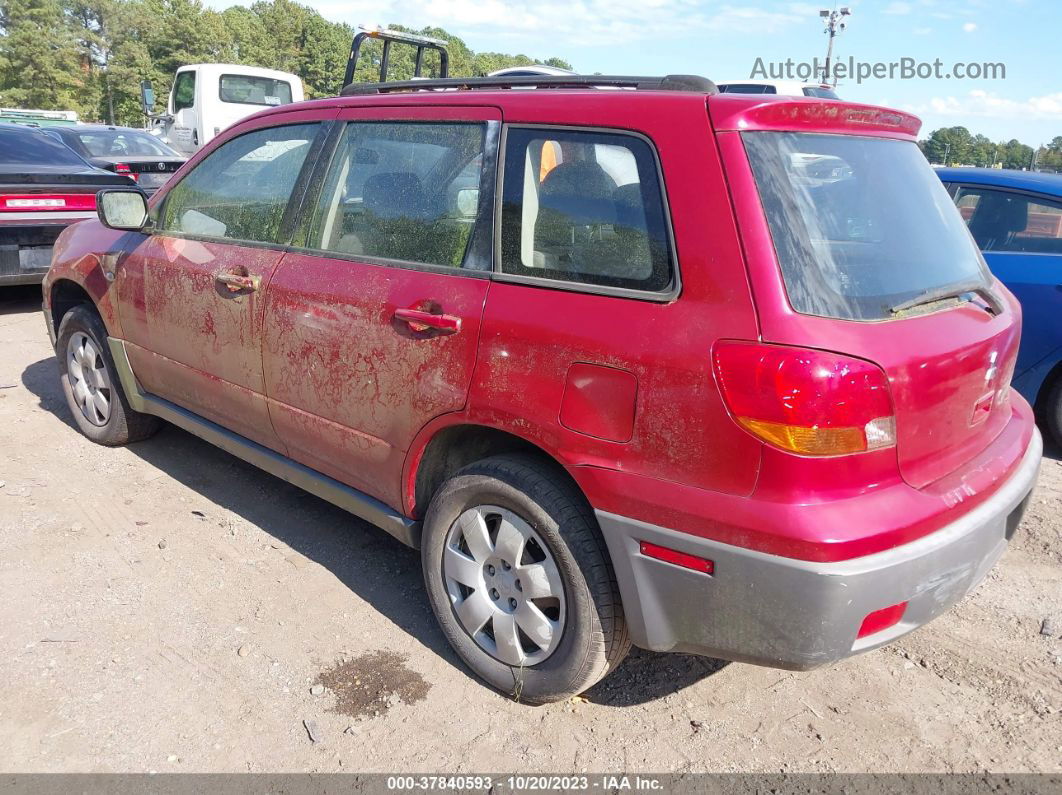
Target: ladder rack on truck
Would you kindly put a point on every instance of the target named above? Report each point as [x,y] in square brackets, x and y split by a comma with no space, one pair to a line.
[389,37]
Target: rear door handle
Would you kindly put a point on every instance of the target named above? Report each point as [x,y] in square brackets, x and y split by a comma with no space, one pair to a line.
[237,282]
[419,320]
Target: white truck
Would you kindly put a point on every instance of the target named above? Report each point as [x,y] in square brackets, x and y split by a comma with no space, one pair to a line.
[208,97]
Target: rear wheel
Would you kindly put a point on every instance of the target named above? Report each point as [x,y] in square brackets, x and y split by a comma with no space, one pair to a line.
[90,382]
[520,581]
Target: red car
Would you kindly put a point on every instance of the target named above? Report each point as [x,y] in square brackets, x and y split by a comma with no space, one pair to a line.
[709,373]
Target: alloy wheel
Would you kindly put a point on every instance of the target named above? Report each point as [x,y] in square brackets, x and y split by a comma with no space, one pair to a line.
[89,382]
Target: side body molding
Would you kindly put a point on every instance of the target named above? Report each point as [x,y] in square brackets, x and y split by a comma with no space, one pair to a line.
[361,505]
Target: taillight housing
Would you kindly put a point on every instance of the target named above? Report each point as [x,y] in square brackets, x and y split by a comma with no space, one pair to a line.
[125,170]
[806,401]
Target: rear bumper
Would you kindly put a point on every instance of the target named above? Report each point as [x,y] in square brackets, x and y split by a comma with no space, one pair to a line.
[798,614]
[26,249]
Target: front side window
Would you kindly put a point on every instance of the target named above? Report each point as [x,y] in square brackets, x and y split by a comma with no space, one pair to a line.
[252,90]
[1003,220]
[406,191]
[585,207]
[184,91]
[240,190]
[861,226]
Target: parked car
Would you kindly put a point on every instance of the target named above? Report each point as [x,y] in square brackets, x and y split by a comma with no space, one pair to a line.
[790,88]
[663,388]
[44,187]
[1016,219]
[133,153]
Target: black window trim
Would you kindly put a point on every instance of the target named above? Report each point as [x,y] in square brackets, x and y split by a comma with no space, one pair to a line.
[478,257]
[666,295]
[256,104]
[288,220]
[1032,195]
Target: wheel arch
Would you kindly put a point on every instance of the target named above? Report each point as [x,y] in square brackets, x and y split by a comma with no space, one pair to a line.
[443,450]
[63,295]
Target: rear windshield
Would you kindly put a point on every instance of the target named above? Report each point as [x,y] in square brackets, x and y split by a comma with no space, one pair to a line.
[860,225]
[248,90]
[123,143]
[29,147]
[821,93]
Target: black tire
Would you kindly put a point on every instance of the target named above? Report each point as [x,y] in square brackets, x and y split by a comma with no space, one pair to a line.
[594,638]
[1052,411]
[123,425]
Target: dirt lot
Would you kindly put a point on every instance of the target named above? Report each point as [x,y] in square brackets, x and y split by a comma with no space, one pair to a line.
[166,607]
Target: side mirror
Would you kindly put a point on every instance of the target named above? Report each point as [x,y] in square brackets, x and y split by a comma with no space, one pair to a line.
[122,208]
[147,97]
[467,202]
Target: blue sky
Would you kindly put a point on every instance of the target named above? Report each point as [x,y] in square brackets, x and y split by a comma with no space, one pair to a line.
[721,40]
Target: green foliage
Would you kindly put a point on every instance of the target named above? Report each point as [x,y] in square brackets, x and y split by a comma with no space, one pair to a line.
[955,146]
[91,55]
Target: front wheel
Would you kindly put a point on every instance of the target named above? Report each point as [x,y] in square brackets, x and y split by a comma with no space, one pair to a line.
[90,382]
[519,578]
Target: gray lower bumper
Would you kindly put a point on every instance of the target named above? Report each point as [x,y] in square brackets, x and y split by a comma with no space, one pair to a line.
[797,614]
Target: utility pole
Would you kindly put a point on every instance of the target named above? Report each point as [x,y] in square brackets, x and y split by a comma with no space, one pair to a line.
[947,148]
[834,24]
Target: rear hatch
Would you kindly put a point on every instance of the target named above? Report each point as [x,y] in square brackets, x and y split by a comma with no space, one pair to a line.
[878,264]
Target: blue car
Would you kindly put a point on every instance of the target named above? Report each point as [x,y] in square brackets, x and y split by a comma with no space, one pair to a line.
[1016,219]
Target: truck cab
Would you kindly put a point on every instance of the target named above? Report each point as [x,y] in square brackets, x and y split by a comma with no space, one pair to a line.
[207,98]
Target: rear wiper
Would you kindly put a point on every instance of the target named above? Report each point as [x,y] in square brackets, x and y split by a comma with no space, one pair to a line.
[952,291]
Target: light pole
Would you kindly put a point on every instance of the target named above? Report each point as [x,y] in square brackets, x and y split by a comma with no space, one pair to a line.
[834,24]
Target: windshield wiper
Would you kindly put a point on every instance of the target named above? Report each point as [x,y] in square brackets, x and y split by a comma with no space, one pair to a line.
[952,291]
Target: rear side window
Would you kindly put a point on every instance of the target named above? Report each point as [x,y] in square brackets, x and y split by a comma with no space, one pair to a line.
[250,90]
[240,190]
[584,207]
[860,225]
[405,191]
[31,147]
[1003,220]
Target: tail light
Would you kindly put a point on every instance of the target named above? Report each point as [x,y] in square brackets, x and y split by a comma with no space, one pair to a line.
[806,401]
[125,170]
[880,620]
[47,202]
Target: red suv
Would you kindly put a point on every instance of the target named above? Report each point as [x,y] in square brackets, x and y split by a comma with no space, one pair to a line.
[709,373]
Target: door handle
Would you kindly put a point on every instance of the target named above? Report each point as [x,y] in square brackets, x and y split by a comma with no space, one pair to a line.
[419,320]
[237,282]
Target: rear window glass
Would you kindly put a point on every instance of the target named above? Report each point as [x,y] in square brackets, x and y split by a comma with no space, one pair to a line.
[29,147]
[123,143]
[860,225]
[248,90]
[820,93]
[585,207]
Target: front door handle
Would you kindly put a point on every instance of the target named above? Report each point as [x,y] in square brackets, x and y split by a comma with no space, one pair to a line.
[419,320]
[238,283]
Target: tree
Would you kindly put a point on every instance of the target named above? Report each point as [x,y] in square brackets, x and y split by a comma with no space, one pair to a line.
[949,146]
[39,64]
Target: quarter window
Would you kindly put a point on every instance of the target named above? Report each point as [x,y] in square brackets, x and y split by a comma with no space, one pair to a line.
[406,191]
[584,207]
[240,190]
[1008,221]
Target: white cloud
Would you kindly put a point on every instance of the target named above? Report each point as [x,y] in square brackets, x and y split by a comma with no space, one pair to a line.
[897,9]
[986,104]
[970,27]
[585,22]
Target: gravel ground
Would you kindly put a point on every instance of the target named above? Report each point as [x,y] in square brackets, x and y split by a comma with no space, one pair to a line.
[166,607]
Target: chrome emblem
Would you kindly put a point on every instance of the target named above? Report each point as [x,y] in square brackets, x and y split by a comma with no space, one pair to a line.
[162,166]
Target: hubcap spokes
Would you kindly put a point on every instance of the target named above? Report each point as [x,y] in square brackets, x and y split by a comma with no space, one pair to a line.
[89,382]
[504,585]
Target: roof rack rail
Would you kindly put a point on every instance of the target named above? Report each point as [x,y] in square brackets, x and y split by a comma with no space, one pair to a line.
[388,37]
[692,83]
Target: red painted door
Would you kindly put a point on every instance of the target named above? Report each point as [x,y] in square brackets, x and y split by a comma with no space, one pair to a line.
[192,293]
[371,329]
